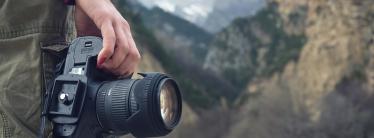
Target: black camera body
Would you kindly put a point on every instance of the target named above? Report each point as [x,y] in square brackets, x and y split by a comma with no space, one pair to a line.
[87,102]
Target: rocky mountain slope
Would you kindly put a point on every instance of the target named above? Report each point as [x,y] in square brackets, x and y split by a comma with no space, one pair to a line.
[253,47]
[328,91]
[225,11]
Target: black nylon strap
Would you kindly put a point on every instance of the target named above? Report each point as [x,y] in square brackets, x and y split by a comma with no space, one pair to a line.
[53,57]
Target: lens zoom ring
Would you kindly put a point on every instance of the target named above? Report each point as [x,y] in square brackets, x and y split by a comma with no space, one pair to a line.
[120,106]
[133,104]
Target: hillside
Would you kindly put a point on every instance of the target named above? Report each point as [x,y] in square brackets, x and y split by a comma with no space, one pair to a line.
[176,34]
[327,92]
[210,15]
[225,11]
[253,47]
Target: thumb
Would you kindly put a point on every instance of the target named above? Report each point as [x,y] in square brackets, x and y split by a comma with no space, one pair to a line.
[109,41]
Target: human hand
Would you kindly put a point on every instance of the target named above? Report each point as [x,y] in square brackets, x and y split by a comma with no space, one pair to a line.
[119,55]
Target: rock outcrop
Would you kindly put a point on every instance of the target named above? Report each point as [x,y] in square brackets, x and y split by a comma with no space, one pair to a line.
[328,91]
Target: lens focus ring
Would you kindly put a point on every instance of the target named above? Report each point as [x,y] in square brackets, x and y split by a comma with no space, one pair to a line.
[116,108]
[100,105]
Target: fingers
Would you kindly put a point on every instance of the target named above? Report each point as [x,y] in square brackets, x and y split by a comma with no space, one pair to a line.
[129,65]
[120,51]
[119,54]
[124,57]
[109,41]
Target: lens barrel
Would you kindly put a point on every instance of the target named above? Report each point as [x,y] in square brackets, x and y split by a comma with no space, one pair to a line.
[147,107]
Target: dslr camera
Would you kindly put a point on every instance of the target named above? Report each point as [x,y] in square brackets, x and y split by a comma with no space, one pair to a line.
[87,102]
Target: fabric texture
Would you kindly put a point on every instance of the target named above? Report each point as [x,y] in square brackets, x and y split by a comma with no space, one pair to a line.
[32,33]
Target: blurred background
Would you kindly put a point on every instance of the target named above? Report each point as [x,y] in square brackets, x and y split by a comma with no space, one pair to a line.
[263,68]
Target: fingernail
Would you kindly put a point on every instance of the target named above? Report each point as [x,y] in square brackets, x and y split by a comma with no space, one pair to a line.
[100,62]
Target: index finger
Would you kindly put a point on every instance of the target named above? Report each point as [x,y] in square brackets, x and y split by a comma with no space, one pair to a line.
[109,41]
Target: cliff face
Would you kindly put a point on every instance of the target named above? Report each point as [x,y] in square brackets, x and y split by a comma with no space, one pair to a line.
[339,35]
[253,47]
[328,91]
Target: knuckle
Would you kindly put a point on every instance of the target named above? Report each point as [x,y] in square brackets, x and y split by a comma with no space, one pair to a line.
[111,38]
[135,53]
[108,51]
[137,56]
[126,24]
[111,68]
[117,64]
[126,46]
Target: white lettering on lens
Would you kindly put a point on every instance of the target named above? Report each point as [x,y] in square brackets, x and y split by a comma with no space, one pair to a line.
[110,92]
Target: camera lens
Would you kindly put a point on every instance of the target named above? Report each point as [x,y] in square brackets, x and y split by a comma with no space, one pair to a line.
[146,107]
[168,102]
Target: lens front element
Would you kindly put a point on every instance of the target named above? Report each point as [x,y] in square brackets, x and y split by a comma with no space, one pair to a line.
[168,103]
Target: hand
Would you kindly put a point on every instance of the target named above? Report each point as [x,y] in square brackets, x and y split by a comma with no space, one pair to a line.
[100,18]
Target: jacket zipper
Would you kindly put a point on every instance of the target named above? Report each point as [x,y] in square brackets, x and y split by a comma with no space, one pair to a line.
[6,129]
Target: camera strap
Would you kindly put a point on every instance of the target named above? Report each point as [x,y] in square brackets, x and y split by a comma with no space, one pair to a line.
[53,58]
[43,118]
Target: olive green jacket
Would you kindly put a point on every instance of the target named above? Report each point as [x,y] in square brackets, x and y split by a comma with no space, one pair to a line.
[32,33]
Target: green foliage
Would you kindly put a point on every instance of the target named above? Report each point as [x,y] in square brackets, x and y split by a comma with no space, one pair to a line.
[281,49]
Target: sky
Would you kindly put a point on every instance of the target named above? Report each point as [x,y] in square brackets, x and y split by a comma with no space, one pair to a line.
[200,11]
[193,9]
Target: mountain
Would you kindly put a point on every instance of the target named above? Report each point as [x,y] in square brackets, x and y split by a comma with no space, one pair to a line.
[211,15]
[253,47]
[224,12]
[328,91]
[177,33]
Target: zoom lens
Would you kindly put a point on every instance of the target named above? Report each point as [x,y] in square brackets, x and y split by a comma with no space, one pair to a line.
[145,107]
